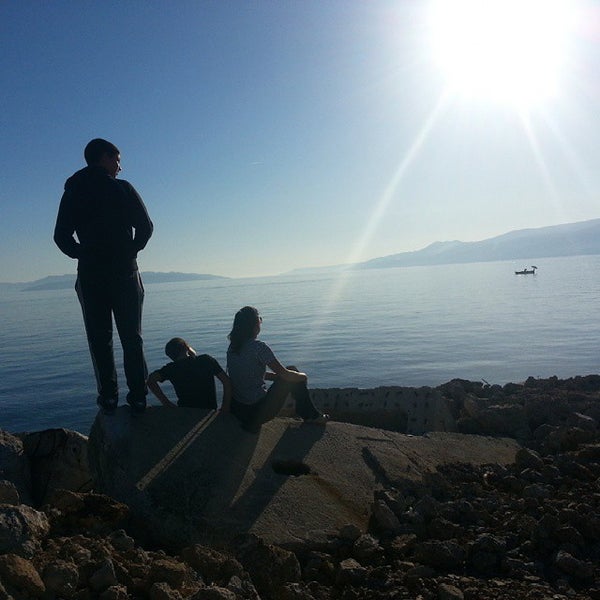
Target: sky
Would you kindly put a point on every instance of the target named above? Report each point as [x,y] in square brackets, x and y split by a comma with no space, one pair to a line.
[266,136]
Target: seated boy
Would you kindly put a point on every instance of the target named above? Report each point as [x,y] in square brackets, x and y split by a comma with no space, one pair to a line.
[192,377]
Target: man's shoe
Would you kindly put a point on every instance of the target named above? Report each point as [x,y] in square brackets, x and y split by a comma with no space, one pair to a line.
[137,403]
[108,406]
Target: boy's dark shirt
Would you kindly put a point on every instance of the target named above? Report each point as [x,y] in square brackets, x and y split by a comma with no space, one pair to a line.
[194,380]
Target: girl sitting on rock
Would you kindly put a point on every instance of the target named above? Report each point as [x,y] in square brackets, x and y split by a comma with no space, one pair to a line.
[247,361]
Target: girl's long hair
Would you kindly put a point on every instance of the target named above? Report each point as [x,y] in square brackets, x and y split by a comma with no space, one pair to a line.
[244,327]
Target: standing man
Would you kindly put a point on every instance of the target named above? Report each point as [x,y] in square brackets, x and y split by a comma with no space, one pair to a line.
[111,224]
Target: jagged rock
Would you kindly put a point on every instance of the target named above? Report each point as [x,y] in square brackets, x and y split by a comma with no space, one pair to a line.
[542,412]
[417,573]
[350,572]
[403,545]
[14,466]
[214,566]
[440,554]
[242,587]
[104,577]
[442,529]
[94,513]
[588,453]
[570,535]
[395,499]
[537,490]
[21,529]
[8,493]
[550,474]
[486,552]
[270,567]
[528,459]
[367,550]
[61,578]
[449,592]
[114,592]
[569,467]
[215,593]
[163,591]
[573,566]
[502,420]
[554,440]
[427,507]
[169,571]
[20,577]
[349,532]
[472,406]
[121,541]
[319,566]
[581,421]
[384,518]
[58,459]
[296,591]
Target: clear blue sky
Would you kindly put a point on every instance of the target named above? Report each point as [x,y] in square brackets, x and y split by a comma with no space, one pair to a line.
[271,135]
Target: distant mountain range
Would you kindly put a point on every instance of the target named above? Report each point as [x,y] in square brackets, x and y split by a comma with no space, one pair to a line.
[572,239]
[59,282]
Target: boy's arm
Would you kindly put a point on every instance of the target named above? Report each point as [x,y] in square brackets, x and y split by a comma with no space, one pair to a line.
[224,379]
[153,381]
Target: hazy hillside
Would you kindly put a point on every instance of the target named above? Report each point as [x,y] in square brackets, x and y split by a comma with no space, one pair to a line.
[59,282]
[571,239]
[558,240]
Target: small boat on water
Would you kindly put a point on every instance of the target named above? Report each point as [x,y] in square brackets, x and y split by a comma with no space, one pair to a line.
[527,271]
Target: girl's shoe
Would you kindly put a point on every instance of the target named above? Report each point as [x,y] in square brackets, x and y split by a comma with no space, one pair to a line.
[320,420]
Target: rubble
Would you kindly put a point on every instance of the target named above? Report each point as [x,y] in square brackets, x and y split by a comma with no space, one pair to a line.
[529,530]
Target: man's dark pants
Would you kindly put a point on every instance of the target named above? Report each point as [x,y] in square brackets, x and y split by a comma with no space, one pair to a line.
[102,295]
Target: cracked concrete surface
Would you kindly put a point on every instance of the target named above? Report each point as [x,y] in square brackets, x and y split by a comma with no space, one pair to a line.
[290,483]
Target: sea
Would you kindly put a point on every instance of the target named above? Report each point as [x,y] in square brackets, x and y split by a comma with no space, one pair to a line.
[405,326]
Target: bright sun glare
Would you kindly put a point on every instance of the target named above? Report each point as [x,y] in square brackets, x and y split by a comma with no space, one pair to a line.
[508,51]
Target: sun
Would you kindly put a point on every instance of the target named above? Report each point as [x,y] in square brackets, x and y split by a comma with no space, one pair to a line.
[508,51]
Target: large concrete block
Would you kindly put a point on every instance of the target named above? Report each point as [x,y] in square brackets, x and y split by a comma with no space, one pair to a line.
[194,476]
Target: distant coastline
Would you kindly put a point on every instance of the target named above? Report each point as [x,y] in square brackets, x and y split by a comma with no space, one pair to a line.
[570,239]
[61,282]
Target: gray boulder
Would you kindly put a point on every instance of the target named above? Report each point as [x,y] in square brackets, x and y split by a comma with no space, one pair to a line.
[497,420]
[20,577]
[14,465]
[22,528]
[529,459]
[58,459]
[570,565]
[269,566]
[8,493]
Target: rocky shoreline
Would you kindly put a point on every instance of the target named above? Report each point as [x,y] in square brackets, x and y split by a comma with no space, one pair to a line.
[525,530]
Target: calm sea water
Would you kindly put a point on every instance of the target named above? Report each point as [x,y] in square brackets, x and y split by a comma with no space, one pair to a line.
[403,326]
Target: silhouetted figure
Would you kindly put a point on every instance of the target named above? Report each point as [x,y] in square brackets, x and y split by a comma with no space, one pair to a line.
[192,376]
[247,362]
[111,225]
